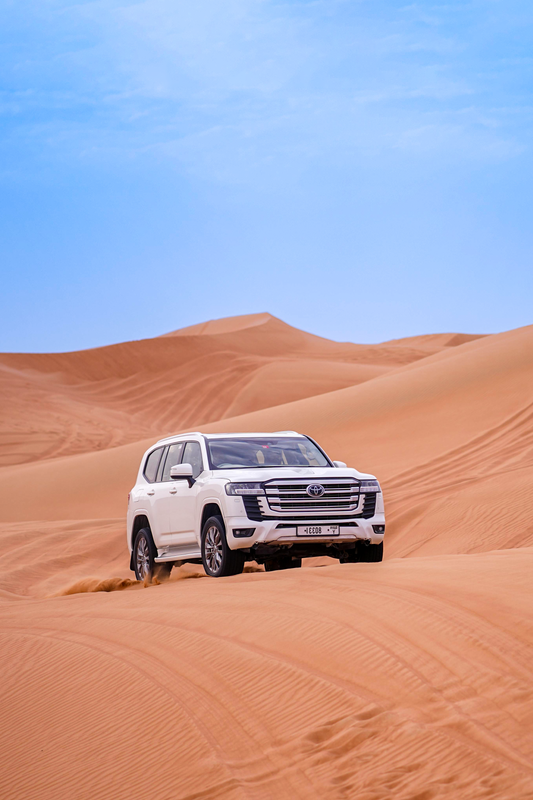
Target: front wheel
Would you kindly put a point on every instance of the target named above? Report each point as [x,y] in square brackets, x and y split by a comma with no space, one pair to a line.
[370,552]
[217,558]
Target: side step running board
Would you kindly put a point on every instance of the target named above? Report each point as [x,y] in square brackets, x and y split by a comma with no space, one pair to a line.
[178,554]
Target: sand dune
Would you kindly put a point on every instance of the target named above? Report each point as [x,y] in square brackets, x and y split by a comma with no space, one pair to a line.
[55,404]
[409,679]
[448,436]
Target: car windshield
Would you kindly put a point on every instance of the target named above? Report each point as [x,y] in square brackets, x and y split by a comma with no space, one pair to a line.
[265,452]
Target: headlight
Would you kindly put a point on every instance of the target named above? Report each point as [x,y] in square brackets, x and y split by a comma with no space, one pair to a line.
[370,486]
[244,488]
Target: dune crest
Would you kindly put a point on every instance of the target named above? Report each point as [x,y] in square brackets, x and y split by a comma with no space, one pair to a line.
[223,325]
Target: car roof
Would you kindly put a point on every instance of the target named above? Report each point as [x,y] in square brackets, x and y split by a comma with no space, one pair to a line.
[179,436]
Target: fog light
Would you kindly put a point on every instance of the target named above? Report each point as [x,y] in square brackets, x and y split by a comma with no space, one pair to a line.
[243,533]
[378,528]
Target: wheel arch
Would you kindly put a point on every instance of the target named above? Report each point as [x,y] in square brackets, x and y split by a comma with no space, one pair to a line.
[210,509]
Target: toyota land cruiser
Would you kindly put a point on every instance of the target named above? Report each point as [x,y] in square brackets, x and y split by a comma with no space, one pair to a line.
[224,499]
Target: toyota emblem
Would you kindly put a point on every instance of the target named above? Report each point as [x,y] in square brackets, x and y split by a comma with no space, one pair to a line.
[315,490]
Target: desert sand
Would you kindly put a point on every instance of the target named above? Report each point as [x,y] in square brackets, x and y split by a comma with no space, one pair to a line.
[410,679]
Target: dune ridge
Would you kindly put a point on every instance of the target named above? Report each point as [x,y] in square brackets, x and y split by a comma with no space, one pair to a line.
[408,679]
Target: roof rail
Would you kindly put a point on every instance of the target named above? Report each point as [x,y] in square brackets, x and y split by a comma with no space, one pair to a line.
[185,433]
[295,433]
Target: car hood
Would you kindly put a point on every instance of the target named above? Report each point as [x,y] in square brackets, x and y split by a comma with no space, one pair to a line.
[280,473]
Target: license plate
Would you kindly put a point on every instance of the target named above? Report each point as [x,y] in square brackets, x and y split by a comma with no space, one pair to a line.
[318,530]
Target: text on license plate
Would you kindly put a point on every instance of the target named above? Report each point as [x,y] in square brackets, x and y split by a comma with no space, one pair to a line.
[318,530]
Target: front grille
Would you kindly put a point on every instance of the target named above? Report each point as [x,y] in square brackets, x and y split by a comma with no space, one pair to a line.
[338,504]
[290,496]
[369,507]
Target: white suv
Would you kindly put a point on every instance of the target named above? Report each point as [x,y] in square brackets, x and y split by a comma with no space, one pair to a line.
[274,498]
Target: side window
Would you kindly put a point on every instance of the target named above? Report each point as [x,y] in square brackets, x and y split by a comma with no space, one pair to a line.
[152,463]
[173,458]
[161,465]
[193,455]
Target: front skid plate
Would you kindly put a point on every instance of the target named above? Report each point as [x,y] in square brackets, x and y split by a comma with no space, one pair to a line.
[319,539]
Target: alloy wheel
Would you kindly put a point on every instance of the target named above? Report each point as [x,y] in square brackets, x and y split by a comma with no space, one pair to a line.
[213,548]
[143,558]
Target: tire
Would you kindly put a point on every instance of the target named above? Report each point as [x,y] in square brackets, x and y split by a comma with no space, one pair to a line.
[144,555]
[365,553]
[370,552]
[218,559]
[282,562]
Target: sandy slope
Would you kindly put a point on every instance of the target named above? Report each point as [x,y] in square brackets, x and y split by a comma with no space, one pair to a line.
[409,679]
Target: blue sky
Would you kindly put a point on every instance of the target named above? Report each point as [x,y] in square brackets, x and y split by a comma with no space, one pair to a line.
[361,169]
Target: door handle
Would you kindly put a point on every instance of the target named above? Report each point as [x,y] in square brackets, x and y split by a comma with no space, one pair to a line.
[172,491]
[152,491]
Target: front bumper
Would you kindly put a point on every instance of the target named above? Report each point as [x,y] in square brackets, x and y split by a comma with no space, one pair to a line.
[284,532]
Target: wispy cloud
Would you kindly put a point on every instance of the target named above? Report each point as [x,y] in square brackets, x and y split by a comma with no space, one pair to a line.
[228,90]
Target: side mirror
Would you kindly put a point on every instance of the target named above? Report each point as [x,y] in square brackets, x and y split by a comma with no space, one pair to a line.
[182,472]
[339,464]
